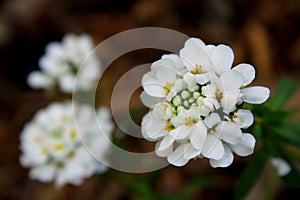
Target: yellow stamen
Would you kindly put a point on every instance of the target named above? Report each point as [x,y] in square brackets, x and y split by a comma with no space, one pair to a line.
[168,86]
[71,154]
[64,118]
[45,151]
[58,147]
[198,69]
[169,126]
[190,121]
[73,134]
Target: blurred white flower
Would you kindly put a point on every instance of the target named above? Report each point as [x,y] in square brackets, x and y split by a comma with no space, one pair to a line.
[62,61]
[282,167]
[195,102]
[51,145]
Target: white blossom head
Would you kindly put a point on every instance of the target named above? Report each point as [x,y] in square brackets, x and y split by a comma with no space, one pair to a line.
[61,62]
[51,145]
[196,105]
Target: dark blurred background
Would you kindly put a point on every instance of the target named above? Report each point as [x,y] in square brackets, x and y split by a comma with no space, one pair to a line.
[264,33]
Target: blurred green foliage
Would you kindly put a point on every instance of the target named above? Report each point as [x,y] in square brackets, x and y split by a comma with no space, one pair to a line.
[275,131]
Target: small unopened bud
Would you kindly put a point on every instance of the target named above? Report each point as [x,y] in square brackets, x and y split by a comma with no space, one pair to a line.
[177,100]
[185,94]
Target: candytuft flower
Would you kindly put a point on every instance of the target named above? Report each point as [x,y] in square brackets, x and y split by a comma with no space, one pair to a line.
[52,149]
[62,61]
[196,105]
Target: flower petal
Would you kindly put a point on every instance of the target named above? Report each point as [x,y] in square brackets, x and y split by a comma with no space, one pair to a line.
[149,101]
[198,135]
[223,162]
[247,71]
[244,118]
[213,147]
[43,173]
[177,64]
[38,80]
[166,142]
[202,78]
[181,132]
[191,152]
[246,146]
[229,132]
[194,52]
[222,57]
[230,99]
[189,78]
[211,120]
[152,86]
[230,80]
[163,153]
[152,128]
[282,167]
[255,95]
[176,157]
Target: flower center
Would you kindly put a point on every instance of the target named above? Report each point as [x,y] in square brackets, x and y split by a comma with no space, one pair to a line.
[186,98]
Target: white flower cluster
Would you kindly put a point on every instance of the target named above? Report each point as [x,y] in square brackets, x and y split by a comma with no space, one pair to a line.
[196,103]
[62,61]
[51,146]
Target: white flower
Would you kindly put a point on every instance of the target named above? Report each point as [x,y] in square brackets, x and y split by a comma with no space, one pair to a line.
[223,138]
[51,146]
[196,105]
[162,80]
[282,167]
[62,61]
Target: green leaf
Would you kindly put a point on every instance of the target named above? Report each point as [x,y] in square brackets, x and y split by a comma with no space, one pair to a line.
[284,91]
[288,133]
[250,175]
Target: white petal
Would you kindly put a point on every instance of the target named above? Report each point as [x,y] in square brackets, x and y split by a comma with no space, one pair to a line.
[44,173]
[194,52]
[149,101]
[209,91]
[176,157]
[229,132]
[255,95]
[165,70]
[202,78]
[244,118]
[66,83]
[211,120]
[230,98]
[181,132]
[247,71]
[198,135]
[39,80]
[189,78]
[152,128]
[163,153]
[177,64]
[152,86]
[246,146]
[213,147]
[230,80]
[191,152]
[166,142]
[222,57]
[282,167]
[223,162]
